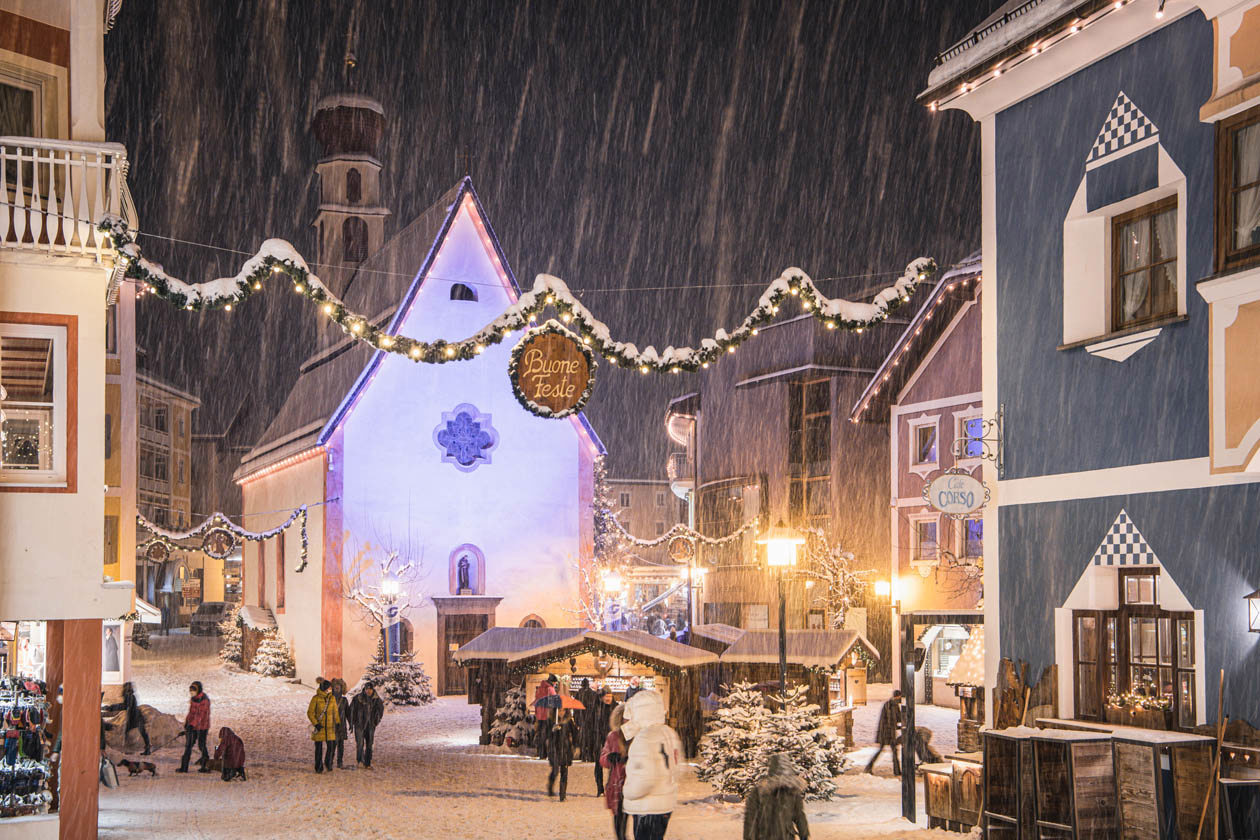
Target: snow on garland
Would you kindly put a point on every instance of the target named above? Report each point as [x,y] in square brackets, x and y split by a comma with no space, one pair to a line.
[219,521]
[681,530]
[276,257]
[514,366]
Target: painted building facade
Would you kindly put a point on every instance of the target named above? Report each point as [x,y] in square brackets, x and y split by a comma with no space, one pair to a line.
[1120,324]
[647,509]
[928,392]
[438,463]
[58,176]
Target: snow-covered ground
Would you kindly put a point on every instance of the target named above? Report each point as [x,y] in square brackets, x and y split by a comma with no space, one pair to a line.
[429,779]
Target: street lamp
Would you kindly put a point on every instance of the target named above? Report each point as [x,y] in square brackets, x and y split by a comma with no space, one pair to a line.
[781,542]
[1253,611]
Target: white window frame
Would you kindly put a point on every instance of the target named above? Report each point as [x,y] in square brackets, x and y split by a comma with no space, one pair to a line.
[660,498]
[57,476]
[971,412]
[914,424]
[960,539]
[623,499]
[915,519]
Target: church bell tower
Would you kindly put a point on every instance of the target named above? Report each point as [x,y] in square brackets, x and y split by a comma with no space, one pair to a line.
[350,223]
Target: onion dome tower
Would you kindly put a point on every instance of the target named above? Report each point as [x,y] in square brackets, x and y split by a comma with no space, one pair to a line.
[350,224]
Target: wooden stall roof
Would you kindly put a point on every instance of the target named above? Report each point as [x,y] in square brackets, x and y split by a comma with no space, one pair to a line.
[504,643]
[969,669]
[722,633]
[631,643]
[810,648]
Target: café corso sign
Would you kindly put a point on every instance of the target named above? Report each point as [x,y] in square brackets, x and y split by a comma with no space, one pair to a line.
[956,493]
[552,371]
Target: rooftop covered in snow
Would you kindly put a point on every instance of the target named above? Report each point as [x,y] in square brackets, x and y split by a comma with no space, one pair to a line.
[507,642]
[810,648]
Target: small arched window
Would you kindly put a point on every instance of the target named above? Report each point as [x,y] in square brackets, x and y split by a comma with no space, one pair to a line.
[354,186]
[354,240]
[533,620]
[461,292]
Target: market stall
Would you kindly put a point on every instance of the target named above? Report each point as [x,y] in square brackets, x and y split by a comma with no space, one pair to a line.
[967,680]
[814,658]
[1010,807]
[1075,781]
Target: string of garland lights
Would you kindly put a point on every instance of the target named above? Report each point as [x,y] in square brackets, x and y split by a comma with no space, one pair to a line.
[278,258]
[538,663]
[681,530]
[218,522]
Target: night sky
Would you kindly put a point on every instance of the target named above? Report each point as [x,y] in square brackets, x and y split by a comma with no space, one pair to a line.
[667,159]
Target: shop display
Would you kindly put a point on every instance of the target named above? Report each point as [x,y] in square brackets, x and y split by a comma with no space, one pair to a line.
[24,767]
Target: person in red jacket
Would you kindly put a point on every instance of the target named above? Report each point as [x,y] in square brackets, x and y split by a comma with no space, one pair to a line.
[196,726]
[546,688]
[613,758]
[231,750]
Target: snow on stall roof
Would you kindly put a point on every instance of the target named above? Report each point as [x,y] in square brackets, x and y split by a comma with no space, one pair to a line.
[349,100]
[810,648]
[645,644]
[724,633]
[969,669]
[1010,24]
[257,618]
[515,642]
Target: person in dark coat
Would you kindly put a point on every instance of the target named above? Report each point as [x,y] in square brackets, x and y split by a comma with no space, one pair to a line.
[775,808]
[343,719]
[135,718]
[560,739]
[588,747]
[613,758]
[886,733]
[366,711]
[600,727]
[196,725]
[231,750]
[544,689]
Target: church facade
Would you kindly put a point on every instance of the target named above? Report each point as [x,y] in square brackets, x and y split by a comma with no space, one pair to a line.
[486,507]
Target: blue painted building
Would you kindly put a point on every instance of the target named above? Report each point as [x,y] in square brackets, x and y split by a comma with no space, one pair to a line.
[1121,343]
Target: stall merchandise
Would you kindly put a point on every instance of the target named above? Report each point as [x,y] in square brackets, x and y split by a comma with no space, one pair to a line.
[24,767]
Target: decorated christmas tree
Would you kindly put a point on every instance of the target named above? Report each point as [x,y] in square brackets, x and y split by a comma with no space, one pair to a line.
[401,683]
[272,659]
[513,724]
[814,752]
[730,753]
[230,635]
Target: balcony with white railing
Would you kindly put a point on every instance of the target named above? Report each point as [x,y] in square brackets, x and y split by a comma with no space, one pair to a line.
[54,193]
[680,470]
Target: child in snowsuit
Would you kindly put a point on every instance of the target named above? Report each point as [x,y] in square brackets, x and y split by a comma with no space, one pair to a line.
[231,750]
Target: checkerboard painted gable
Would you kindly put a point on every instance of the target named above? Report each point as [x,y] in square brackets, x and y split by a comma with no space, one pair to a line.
[1124,545]
[1124,126]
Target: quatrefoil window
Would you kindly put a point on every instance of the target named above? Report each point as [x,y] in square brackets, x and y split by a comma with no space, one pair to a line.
[465,437]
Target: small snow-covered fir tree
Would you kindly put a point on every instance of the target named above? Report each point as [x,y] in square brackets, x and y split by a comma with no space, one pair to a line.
[400,683]
[814,753]
[513,724]
[730,752]
[230,635]
[272,659]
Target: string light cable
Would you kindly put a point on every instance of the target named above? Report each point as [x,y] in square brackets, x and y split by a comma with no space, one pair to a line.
[278,258]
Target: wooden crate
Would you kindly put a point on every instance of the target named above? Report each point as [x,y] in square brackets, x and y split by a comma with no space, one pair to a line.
[1150,765]
[953,794]
[938,798]
[1075,780]
[1009,809]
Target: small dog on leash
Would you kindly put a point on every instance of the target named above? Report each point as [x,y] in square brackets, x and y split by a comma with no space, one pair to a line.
[135,768]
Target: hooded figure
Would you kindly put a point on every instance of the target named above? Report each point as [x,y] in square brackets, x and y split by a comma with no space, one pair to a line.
[588,745]
[776,805]
[651,788]
[135,717]
[232,750]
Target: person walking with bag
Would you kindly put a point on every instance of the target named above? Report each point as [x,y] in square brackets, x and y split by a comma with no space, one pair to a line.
[324,717]
[776,805]
[366,711]
[196,726]
[135,718]
[560,740]
[651,789]
[613,758]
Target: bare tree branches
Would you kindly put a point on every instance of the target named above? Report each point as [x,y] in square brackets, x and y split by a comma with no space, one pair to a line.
[842,585]
[380,578]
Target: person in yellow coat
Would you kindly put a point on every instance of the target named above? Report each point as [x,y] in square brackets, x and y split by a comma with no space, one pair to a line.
[324,716]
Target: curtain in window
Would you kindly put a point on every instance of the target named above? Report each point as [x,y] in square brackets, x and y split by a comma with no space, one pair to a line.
[1136,249]
[1247,171]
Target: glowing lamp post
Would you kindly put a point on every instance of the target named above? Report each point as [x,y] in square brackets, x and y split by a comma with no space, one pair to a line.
[1253,611]
[781,543]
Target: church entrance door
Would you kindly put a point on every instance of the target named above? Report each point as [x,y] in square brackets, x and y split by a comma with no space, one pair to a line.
[459,630]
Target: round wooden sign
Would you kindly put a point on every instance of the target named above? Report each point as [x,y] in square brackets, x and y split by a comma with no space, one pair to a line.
[681,549]
[552,371]
[157,551]
[218,543]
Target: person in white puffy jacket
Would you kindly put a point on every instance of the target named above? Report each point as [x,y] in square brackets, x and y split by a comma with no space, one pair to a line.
[652,765]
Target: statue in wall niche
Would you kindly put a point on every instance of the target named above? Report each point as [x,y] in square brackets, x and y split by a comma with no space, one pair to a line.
[461,576]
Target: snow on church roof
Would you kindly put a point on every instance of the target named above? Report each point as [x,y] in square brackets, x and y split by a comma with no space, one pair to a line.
[811,648]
